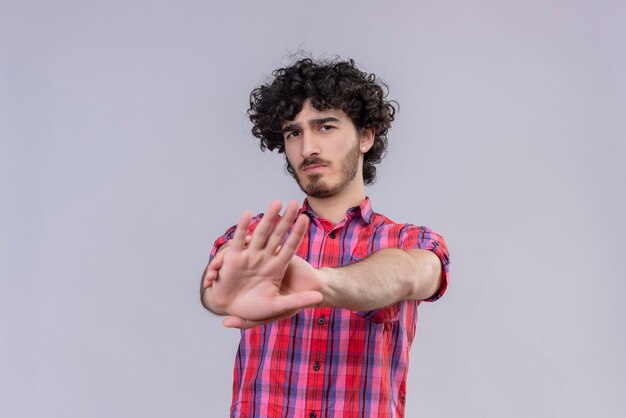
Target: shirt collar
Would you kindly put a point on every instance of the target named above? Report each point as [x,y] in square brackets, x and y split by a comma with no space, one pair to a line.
[363,209]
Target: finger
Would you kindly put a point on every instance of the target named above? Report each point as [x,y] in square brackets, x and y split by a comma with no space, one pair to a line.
[291,244]
[239,238]
[209,278]
[282,228]
[236,322]
[211,271]
[218,260]
[265,226]
[299,300]
[210,275]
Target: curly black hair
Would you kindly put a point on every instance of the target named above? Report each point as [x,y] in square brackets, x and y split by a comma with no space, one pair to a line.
[331,84]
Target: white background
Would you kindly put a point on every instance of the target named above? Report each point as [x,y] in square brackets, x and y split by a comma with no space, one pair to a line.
[125,151]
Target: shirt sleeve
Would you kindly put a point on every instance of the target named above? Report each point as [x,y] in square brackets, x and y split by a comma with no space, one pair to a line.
[421,237]
[415,237]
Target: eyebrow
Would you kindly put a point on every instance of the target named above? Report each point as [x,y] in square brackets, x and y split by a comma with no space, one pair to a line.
[312,122]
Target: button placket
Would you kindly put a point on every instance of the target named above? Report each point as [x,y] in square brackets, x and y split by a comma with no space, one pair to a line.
[328,242]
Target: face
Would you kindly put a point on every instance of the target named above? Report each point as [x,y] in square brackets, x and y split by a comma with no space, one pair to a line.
[324,150]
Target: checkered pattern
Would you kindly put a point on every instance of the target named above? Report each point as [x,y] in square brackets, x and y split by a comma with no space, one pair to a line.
[331,362]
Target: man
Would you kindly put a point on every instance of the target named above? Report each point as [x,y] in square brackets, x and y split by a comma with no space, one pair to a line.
[326,295]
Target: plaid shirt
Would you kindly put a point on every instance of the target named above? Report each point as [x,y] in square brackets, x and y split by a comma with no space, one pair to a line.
[331,362]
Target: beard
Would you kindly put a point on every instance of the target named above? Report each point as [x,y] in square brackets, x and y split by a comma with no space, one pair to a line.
[317,186]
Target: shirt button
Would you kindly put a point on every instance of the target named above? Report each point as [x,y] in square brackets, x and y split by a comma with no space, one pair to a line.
[316,366]
[321,320]
[312,415]
[332,235]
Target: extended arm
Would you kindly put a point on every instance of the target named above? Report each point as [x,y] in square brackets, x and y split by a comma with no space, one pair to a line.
[258,279]
[384,278]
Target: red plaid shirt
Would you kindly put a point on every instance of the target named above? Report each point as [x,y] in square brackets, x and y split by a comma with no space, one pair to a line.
[331,362]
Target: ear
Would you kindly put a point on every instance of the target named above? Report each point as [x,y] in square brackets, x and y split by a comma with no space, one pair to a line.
[366,139]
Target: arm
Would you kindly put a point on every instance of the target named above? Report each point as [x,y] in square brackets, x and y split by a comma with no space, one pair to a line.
[384,278]
[258,275]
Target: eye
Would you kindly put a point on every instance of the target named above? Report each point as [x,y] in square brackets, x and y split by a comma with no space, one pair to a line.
[326,127]
[292,134]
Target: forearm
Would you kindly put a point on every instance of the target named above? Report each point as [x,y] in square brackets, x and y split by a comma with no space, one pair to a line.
[384,278]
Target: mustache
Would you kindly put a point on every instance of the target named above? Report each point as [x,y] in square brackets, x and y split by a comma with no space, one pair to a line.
[312,161]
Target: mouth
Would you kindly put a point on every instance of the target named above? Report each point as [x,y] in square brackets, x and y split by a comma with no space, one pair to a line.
[313,168]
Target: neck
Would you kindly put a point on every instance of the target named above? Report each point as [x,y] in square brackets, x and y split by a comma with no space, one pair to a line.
[334,208]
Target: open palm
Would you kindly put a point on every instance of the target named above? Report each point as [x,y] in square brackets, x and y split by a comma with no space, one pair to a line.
[257,281]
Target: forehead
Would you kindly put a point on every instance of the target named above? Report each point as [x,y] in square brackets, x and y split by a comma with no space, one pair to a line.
[310,113]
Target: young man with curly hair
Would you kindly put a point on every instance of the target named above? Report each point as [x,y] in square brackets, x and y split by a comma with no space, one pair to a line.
[326,295]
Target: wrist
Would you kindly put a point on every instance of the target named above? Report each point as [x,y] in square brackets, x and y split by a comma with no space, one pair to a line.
[326,276]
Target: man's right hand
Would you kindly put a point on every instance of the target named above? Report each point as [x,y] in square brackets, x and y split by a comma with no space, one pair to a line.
[250,277]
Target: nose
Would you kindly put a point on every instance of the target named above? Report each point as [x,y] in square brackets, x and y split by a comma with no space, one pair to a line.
[309,145]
